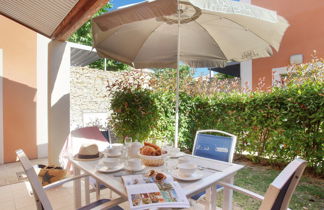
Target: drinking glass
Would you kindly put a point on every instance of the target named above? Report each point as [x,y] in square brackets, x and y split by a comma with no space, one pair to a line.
[167,164]
[167,146]
[128,140]
[127,143]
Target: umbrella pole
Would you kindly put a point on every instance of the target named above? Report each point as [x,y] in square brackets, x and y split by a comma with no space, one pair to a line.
[176,137]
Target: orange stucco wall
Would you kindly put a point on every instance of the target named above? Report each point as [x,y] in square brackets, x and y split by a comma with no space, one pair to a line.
[19,88]
[305,34]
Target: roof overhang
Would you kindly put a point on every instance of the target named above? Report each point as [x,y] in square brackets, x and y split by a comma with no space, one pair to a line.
[82,55]
[55,19]
[232,69]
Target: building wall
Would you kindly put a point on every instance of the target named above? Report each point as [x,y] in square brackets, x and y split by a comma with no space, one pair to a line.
[89,96]
[19,89]
[304,35]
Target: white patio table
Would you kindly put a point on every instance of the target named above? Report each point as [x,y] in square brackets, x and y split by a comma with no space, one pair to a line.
[213,170]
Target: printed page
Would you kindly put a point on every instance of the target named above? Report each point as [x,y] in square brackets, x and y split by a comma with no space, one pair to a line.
[144,192]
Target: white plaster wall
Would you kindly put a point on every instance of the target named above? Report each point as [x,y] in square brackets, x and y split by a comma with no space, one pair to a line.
[41,105]
[276,75]
[58,98]
[1,107]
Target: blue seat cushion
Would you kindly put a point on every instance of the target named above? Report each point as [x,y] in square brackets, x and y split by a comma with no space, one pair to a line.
[97,203]
[198,195]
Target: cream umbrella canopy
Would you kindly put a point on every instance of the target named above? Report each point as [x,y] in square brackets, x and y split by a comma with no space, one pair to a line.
[200,33]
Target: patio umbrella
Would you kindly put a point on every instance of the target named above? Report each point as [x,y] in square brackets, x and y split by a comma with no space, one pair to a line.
[200,33]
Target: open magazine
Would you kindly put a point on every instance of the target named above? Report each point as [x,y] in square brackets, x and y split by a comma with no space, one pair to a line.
[144,192]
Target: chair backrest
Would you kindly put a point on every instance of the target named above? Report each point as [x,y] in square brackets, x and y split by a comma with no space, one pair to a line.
[281,189]
[89,133]
[210,145]
[39,193]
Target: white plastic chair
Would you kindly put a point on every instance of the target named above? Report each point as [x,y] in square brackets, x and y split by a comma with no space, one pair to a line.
[208,144]
[279,193]
[42,201]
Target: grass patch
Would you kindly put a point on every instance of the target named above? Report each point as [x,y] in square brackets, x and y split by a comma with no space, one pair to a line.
[309,193]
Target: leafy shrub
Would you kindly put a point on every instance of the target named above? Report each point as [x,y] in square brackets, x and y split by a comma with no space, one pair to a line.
[278,125]
[133,113]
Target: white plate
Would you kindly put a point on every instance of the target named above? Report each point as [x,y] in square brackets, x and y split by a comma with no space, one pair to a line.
[195,176]
[104,169]
[179,154]
[139,169]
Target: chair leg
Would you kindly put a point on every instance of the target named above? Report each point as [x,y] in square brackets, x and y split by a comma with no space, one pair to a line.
[86,190]
[110,193]
[97,190]
[38,203]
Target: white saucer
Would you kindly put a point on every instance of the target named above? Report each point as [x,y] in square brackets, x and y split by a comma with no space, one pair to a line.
[104,169]
[195,176]
[179,154]
[135,170]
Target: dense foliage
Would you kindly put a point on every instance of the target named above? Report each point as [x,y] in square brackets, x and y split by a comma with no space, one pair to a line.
[134,111]
[280,125]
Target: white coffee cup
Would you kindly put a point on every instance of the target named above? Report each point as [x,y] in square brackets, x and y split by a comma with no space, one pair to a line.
[114,149]
[187,169]
[133,148]
[174,151]
[134,164]
[183,160]
[111,162]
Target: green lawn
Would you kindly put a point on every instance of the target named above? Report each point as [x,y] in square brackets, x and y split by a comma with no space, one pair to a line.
[308,195]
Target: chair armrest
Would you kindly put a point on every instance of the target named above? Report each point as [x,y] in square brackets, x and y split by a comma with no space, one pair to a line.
[110,204]
[63,181]
[241,190]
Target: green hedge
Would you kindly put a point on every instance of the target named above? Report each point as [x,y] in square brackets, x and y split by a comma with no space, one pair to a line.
[278,125]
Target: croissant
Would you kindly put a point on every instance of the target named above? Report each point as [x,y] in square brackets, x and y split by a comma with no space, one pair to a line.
[152,145]
[158,152]
[160,177]
[147,150]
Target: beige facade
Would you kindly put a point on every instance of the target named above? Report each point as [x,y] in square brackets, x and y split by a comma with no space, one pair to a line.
[19,89]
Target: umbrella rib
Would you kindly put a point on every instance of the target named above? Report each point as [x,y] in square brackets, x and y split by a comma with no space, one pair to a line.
[212,39]
[139,49]
[249,30]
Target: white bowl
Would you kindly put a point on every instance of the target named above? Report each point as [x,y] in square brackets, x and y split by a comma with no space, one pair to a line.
[187,169]
[184,159]
[114,149]
[111,162]
[173,151]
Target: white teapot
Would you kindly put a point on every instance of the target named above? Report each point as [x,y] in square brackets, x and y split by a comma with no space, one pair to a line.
[133,149]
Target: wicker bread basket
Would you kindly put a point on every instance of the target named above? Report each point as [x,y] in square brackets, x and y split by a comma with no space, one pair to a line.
[152,160]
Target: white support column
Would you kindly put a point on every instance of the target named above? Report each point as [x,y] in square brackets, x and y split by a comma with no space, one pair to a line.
[1,108]
[58,97]
[41,97]
[246,67]
[246,74]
